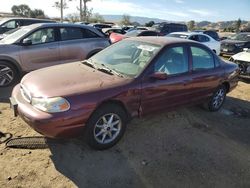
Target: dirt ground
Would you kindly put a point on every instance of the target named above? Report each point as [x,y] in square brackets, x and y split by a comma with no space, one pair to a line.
[189,147]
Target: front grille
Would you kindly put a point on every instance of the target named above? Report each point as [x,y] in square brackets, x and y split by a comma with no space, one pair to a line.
[229,47]
[25,93]
[244,66]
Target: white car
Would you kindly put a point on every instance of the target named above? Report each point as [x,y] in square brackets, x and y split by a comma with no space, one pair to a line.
[199,37]
[243,60]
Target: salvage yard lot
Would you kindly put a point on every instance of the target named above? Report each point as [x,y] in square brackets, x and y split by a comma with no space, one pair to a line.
[189,147]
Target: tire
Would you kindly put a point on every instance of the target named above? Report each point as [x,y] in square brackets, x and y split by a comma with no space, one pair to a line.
[217,99]
[8,74]
[99,133]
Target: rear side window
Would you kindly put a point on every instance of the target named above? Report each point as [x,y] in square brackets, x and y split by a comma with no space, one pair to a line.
[72,33]
[203,38]
[202,59]
[148,33]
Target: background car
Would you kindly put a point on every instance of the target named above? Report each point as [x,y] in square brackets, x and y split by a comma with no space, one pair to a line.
[100,26]
[114,37]
[41,45]
[243,60]
[165,28]
[108,31]
[12,23]
[235,44]
[211,33]
[199,37]
[135,77]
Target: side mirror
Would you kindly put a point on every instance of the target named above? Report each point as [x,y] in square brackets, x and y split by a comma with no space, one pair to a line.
[27,42]
[159,76]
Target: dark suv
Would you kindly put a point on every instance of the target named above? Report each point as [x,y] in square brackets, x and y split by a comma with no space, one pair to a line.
[12,23]
[166,28]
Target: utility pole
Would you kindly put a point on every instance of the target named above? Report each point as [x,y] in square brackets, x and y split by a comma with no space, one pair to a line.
[62,6]
[81,19]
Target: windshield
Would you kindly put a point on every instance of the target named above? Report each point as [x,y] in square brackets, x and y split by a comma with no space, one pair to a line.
[133,33]
[183,36]
[241,36]
[11,38]
[127,57]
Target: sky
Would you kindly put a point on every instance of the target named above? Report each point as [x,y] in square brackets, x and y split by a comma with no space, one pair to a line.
[174,10]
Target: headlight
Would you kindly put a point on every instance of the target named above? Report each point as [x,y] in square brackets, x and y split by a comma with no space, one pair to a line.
[240,45]
[51,105]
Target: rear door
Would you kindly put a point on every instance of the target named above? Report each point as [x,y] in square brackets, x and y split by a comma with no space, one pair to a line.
[43,52]
[173,91]
[76,43]
[206,72]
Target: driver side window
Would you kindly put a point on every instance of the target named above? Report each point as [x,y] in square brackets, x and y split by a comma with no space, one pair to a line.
[173,61]
[41,36]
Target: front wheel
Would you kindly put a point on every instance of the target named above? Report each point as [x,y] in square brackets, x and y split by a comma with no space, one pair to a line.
[8,74]
[217,99]
[106,127]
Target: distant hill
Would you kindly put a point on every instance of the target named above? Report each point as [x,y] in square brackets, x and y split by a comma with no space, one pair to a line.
[203,24]
[140,20]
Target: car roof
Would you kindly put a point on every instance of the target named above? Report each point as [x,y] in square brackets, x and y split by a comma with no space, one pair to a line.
[41,25]
[190,33]
[162,41]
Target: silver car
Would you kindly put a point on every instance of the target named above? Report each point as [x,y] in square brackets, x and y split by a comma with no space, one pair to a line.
[41,45]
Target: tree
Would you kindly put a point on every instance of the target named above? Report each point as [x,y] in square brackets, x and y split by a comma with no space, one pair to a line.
[85,13]
[37,13]
[191,25]
[125,20]
[149,24]
[21,10]
[61,5]
[237,25]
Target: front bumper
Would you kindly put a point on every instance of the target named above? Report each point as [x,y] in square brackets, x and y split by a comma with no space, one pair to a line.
[54,125]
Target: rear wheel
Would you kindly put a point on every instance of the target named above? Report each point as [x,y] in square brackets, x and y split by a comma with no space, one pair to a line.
[106,126]
[8,74]
[218,98]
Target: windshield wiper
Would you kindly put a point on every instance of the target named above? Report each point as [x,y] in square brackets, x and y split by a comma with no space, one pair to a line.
[89,63]
[111,71]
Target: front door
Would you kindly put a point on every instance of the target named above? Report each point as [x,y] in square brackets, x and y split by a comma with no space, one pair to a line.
[172,91]
[43,52]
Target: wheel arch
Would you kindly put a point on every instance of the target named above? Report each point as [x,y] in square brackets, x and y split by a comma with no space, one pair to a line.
[93,52]
[115,102]
[227,85]
[13,62]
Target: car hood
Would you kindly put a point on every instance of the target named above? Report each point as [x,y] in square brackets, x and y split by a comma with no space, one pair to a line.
[242,56]
[230,41]
[69,79]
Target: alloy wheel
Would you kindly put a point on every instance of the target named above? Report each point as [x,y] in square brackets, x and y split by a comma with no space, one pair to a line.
[107,128]
[218,98]
[6,75]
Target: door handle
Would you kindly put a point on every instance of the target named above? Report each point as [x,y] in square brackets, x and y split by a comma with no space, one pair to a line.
[185,82]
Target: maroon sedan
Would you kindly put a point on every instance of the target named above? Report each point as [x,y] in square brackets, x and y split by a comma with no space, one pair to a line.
[134,77]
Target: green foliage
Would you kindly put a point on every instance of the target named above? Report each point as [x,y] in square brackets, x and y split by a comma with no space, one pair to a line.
[126,20]
[37,13]
[191,25]
[21,10]
[149,24]
[25,11]
[237,25]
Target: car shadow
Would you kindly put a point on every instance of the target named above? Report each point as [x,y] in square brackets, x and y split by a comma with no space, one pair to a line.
[5,93]
[189,147]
